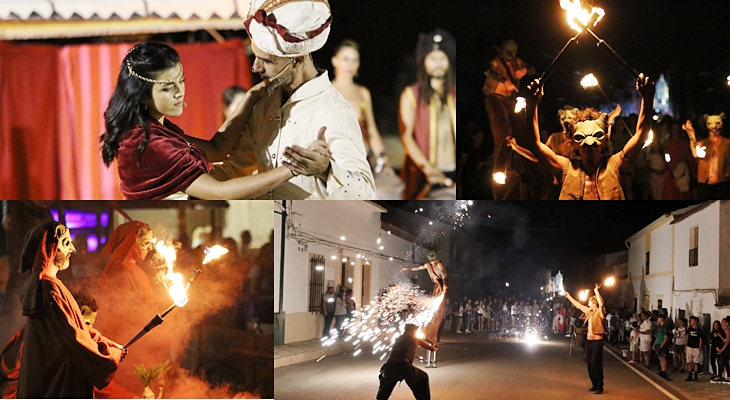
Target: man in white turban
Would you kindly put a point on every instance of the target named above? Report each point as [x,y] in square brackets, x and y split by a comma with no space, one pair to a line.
[299,115]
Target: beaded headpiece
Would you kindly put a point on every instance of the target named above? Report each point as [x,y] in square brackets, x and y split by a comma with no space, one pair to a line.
[138,76]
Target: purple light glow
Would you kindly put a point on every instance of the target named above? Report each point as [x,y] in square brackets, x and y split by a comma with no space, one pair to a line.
[80,219]
[104,219]
[92,243]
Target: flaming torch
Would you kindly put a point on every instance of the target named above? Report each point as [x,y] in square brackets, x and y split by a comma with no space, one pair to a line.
[582,20]
[178,290]
[578,19]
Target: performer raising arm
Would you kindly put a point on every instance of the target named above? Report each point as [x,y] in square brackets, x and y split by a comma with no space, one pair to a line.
[596,313]
[594,173]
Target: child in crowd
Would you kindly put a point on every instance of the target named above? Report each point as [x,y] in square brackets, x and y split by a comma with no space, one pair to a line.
[634,342]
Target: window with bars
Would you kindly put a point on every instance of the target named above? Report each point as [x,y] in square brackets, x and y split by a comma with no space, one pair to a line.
[648,248]
[316,282]
[694,242]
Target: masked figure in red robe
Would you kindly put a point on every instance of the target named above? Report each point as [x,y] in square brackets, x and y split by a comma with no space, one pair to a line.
[62,357]
[128,244]
[437,272]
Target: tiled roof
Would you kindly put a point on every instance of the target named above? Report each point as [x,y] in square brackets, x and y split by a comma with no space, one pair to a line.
[685,213]
[46,19]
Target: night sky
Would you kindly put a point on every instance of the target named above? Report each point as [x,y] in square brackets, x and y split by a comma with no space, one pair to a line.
[516,239]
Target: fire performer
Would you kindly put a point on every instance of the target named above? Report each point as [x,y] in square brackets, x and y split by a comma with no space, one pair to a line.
[400,366]
[437,272]
[62,357]
[595,314]
[301,118]
[500,90]
[713,153]
[12,353]
[428,120]
[129,244]
[594,173]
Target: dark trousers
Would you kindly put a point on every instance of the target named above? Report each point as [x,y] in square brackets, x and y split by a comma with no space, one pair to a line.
[416,379]
[724,362]
[594,358]
[327,323]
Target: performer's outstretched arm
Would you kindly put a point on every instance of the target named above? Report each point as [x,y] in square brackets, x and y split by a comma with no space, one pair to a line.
[576,303]
[646,88]
[225,140]
[687,126]
[530,140]
[415,268]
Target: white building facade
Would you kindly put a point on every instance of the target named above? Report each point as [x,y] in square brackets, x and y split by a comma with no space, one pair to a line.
[681,262]
[333,243]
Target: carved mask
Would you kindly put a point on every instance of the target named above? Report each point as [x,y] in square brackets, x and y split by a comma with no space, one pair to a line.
[714,123]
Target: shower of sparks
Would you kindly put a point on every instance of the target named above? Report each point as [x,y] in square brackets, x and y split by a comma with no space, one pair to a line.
[379,324]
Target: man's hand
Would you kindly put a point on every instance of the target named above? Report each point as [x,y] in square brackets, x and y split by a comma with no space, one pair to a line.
[312,161]
[687,126]
[598,286]
[535,89]
[520,73]
[433,175]
[646,88]
[258,90]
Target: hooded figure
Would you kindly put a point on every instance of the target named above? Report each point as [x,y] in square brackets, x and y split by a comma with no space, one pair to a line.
[62,357]
[129,243]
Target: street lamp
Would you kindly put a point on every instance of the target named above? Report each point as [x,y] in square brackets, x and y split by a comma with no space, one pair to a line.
[506,284]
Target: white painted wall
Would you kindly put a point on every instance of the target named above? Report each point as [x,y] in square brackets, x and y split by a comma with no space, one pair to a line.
[657,238]
[698,304]
[252,215]
[705,275]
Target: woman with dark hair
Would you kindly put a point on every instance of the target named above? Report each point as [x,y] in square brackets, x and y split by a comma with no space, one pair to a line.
[154,159]
[717,336]
[346,63]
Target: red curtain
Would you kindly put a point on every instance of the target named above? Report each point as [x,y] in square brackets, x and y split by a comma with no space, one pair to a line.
[52,101]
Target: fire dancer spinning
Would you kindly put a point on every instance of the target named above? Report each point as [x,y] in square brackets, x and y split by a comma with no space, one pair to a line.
[713,153]
[62,357]
[595,314]
[437,272]
[594,174]
[400,366]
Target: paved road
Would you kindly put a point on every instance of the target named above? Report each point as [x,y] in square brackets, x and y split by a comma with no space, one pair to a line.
[471,367]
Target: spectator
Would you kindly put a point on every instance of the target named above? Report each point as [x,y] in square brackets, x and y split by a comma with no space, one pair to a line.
[717,337]
[340,312]
[645,338]
[723,352]
[679,335]
[634,343]
[661,346]
[692,351]
[328,310]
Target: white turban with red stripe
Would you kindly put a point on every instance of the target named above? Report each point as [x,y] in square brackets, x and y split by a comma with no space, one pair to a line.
[289,28]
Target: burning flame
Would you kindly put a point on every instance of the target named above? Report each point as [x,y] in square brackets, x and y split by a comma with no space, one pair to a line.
[500,178]
[649,140]
[520,105]
[212,253]
[701,153]
[610,281]
[176,288]
[583,295]
[580,18]
[589,81]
